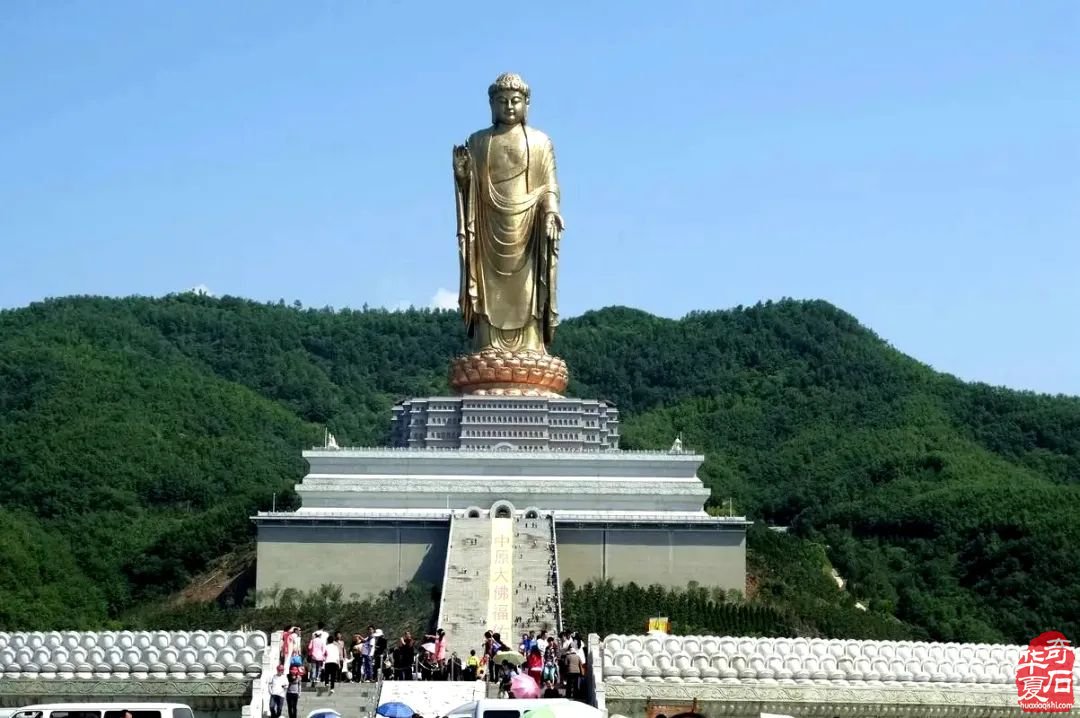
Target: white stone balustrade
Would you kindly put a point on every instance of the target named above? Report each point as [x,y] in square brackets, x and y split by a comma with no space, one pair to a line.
[133,654]
[724,659]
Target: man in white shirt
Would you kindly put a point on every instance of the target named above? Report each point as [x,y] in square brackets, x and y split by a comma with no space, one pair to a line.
[277,685]
[542,642]
[332,665]
[367,654]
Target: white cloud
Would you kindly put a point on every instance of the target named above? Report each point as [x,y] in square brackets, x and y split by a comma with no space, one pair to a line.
[201,290]
[444,299]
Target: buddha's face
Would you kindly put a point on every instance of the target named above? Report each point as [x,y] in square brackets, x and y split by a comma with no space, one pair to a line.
[508,107]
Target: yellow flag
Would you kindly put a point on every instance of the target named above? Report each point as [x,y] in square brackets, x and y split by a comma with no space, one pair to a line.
[659,623]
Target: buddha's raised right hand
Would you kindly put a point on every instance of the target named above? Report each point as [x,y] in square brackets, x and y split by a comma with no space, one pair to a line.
[461,162]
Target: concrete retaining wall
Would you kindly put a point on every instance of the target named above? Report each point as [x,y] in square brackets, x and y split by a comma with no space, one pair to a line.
[361,559]
[668,556]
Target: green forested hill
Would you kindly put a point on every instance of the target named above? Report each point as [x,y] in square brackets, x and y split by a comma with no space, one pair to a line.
[137,435]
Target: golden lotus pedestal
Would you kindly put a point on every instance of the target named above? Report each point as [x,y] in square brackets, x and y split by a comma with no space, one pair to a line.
[495,372]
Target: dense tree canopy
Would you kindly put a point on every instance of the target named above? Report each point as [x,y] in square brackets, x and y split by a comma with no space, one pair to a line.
[793,592]
[137,436]
[409,608]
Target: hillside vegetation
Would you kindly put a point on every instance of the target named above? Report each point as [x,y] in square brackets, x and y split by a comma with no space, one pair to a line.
[138,435]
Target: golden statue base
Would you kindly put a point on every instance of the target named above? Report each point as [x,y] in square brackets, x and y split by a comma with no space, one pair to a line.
[497,372]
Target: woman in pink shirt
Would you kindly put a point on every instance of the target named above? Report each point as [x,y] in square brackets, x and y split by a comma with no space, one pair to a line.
[440,650]
[289,642]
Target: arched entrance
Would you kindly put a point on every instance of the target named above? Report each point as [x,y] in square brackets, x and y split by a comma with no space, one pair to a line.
[502,510]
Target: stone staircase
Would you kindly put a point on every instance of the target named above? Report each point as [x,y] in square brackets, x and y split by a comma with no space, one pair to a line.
[351,700]
[464,612]
[432,698]
[536,591]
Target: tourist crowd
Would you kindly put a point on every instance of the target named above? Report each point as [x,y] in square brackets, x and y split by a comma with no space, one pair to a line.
[556,664]
[327,659]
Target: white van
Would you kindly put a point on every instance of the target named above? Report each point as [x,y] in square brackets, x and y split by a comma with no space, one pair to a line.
[104,710]
[516,708]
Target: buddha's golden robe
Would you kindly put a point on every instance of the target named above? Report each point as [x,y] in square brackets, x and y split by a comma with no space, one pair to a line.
[508,264]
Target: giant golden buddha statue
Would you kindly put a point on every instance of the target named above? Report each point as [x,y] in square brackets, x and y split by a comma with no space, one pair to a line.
[508,232]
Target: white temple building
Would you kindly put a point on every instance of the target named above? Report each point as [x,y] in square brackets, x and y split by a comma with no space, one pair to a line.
[372,519]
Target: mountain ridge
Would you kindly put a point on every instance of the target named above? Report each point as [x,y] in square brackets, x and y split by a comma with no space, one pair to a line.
[137,435]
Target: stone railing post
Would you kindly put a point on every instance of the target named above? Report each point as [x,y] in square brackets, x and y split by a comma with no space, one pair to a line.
[594,657]
[259,697]
[446,574]
[558,576]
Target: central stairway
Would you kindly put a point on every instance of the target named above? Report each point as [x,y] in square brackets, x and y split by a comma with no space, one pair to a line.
[464,613]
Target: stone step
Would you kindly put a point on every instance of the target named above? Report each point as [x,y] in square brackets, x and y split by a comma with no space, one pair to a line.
[465,595]
[351,700]
[432,698]
[535,598]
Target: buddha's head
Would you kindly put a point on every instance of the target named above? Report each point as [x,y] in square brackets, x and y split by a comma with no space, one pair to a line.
[509,99]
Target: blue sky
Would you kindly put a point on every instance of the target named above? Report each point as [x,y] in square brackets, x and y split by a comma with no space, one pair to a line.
[917,163]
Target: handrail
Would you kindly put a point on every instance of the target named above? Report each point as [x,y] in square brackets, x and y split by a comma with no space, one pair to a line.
[594,688]
[259,689]
[445,575]
[348,513]
[380,679]
[558,576]
[451,450]
[680,516]
[345,514]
